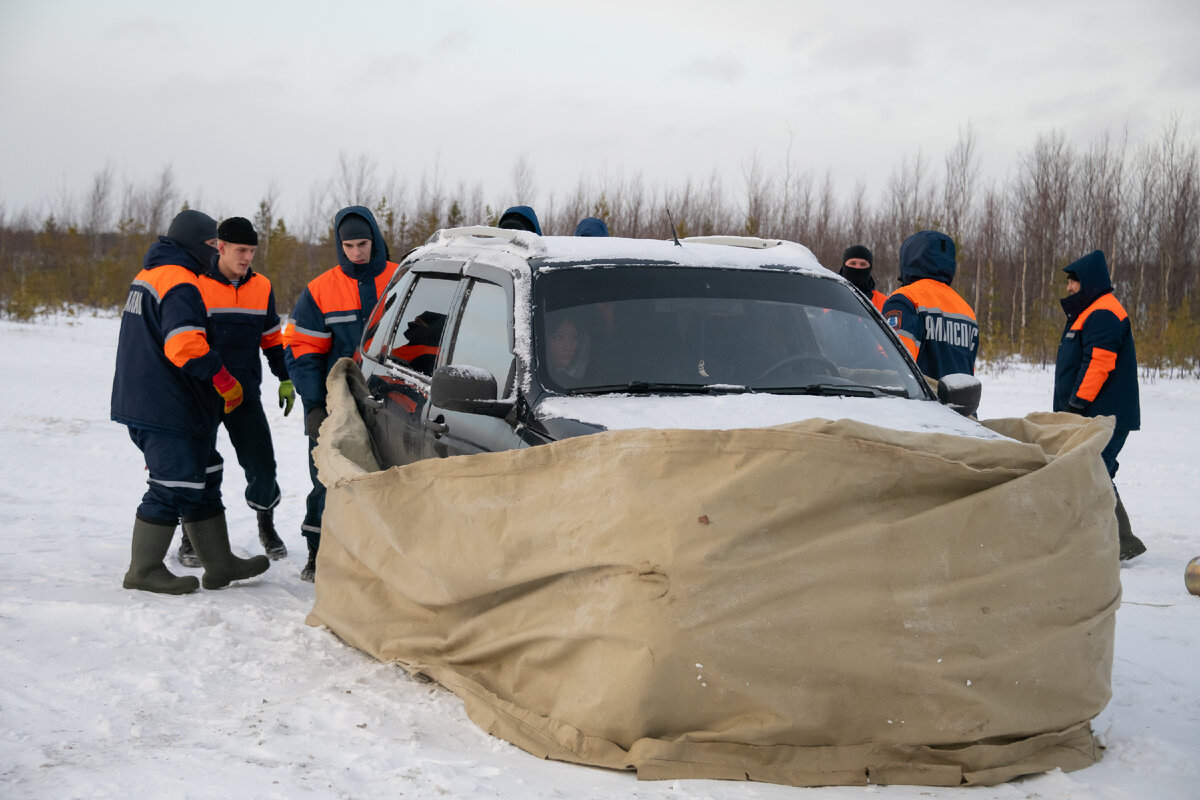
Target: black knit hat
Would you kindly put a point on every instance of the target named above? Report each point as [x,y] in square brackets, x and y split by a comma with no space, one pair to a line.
[858,251]
[237,230]
[355,227]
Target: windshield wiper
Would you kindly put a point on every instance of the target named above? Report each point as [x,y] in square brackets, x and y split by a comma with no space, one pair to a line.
[839,390]
[651,387]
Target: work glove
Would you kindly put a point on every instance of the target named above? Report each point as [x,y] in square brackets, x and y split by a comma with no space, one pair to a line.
[287,396]
[1076,407]
[313,419]
[228,387]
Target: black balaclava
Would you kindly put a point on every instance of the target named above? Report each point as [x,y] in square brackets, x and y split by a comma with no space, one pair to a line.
[861,278]
[190,230]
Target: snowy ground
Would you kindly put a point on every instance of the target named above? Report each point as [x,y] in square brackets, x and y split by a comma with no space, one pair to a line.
[109,693]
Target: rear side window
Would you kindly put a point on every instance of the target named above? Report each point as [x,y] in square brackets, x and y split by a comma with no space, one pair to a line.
[484,337]
[417,340]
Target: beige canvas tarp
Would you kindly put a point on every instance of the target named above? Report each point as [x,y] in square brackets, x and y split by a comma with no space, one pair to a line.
[817,603]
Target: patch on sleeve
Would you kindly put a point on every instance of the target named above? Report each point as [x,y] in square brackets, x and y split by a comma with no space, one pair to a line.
[893,318]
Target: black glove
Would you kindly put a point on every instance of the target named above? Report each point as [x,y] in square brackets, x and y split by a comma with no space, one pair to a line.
[1076,407]
[313,419]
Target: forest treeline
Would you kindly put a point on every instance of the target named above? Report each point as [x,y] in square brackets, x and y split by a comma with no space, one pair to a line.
[1138,202]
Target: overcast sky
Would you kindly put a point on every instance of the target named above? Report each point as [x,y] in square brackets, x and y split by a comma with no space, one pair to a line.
[237,96]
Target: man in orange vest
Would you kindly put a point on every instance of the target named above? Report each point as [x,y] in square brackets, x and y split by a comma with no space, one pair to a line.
[935,324]
[241,309]
[326,325]
[1095,373]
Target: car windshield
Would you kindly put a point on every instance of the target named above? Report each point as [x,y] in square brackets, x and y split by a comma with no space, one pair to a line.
[647,328]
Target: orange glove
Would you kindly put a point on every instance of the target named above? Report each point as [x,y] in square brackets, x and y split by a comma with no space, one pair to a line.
[228,387]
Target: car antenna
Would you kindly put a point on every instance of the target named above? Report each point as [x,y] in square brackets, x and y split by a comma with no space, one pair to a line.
[674,235]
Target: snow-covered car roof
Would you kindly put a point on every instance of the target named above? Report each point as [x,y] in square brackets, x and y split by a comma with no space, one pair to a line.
[510,247]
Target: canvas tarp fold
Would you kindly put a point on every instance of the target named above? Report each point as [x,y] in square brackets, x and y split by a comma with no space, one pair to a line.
[826,602]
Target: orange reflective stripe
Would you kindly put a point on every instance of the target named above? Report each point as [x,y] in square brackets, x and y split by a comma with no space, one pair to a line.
[304,343]
[184,345]
[165,278]
[271,339]
[928,293]
[333,291]
[252,296]
[1105,302]
[908,341]
[288,331]
[411,352]
[1103,362]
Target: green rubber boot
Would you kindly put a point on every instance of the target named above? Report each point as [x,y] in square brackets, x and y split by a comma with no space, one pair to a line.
[1130,545]
[146,569]
[210,537]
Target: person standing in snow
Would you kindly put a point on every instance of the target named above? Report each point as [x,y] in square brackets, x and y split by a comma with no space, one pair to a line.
[935,324]
[857,264]
[241,307]
[326,325]
[1095,373]
[520,218]
[169,389]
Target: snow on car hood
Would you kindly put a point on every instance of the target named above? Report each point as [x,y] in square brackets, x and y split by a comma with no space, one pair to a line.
[725,412]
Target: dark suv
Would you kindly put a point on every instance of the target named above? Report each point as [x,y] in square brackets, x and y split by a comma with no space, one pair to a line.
[493,339]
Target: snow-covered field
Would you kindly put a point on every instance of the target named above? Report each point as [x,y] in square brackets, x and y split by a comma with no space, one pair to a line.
[111,693]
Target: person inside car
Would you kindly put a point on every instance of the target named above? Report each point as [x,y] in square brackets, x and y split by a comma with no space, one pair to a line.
[566,352]
[422,336]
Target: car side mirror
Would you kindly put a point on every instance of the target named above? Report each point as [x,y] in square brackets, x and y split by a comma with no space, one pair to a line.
[471,390]
[961,392]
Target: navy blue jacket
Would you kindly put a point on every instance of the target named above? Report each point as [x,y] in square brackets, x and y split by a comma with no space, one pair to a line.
[1095,373]
[243,322]
[935,324]
[329,317]
[164,369]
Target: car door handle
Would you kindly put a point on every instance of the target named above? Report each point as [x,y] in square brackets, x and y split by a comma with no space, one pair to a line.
[438,426]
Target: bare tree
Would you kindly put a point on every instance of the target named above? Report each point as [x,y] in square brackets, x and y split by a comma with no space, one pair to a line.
[524,189]
[355,182]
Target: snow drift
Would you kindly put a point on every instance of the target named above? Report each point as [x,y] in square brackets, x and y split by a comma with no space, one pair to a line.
[816,603]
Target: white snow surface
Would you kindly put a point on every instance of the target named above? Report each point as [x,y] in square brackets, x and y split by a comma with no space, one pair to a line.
[229,694]
[724,412]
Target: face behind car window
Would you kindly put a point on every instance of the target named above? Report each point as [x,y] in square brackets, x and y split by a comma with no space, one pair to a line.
[760,329]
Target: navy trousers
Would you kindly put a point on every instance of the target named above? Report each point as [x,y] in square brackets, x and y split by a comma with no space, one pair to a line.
[250,436]
[185,476]
[315,507]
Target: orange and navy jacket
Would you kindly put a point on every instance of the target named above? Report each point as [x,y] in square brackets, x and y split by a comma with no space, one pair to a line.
[164,369]
[330,315]
[935,324]
[1095,373]
[244,321]
[878,298]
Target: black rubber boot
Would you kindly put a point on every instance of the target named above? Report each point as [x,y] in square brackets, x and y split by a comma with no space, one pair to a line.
[309,573]
[186,553]
[1131,546]
[210,537]
[268,538]
[146,569]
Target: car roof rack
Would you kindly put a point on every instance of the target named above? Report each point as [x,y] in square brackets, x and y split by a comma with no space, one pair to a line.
[751,242]
[525,239]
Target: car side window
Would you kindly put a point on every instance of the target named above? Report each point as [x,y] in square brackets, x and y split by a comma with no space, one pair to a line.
[381,319]
[484,337]
[418,335]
